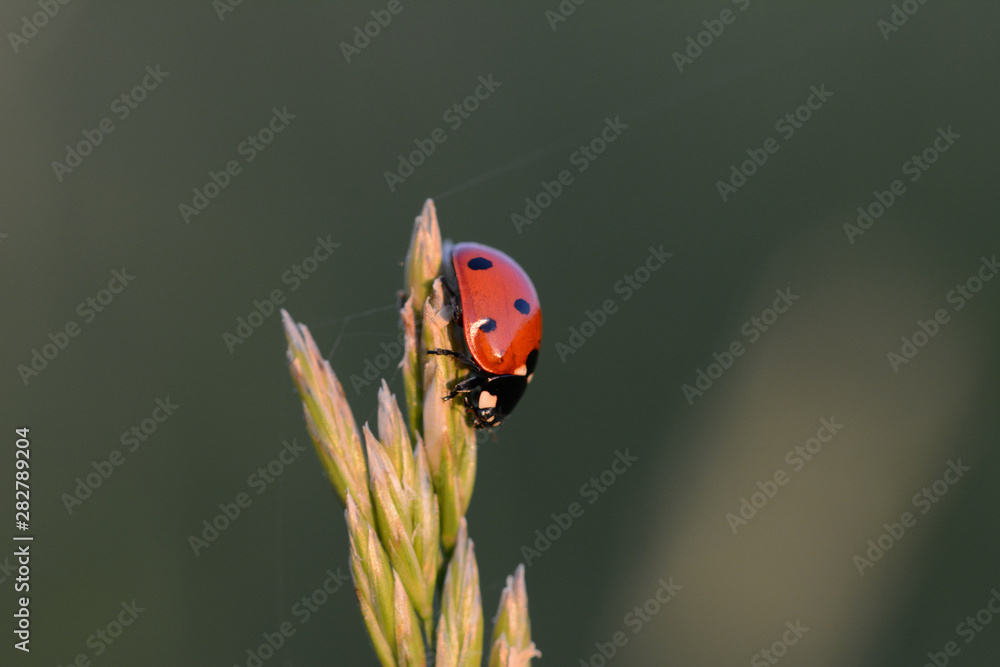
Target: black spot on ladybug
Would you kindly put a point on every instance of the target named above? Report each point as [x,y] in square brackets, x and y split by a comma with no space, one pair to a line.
[480,264]
[522,306]
[488,325]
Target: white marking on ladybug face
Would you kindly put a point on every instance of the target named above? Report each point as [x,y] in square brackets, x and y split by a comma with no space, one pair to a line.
[529,378]
[521,370]
[487,400]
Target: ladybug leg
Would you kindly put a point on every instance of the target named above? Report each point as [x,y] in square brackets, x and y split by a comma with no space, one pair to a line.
[465,359]
[470,382]
[465,386]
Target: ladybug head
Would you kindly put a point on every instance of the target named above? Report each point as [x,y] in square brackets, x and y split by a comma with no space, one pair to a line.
[494,398]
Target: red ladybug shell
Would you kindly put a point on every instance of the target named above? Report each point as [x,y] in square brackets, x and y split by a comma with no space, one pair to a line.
[501,316]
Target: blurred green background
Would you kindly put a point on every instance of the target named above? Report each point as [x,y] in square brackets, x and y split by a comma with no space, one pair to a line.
[222,73]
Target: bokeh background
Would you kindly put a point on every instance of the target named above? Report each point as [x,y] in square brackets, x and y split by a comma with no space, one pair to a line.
[226,67]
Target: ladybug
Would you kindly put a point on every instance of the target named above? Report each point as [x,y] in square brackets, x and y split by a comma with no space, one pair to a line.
[501,320]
